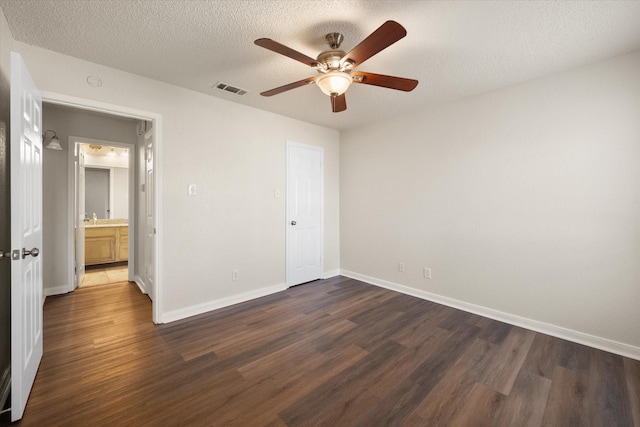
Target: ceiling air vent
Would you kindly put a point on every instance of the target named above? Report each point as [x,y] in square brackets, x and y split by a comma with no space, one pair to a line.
[229,88]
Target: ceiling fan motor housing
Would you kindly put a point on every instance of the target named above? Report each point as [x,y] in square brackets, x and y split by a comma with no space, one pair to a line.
[331,59]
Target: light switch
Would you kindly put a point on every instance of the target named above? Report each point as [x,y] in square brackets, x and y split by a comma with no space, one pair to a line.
[191,190]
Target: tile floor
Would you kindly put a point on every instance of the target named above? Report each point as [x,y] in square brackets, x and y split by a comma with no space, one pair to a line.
[104,275]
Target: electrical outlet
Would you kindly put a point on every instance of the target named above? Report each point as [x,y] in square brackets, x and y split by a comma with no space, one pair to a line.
[426,273]
[401,267]
[235,275]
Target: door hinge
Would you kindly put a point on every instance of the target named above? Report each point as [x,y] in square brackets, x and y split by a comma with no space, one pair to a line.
[14,254]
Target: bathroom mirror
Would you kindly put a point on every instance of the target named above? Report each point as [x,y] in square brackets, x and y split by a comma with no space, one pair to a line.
[97,193]
[106,182]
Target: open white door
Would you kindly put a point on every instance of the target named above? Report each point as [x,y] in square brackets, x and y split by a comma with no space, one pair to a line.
[304,213]
[26,234]
[150,227]
[80,216]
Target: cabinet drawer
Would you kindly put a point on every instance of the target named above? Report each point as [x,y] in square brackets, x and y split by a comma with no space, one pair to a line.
[100,232]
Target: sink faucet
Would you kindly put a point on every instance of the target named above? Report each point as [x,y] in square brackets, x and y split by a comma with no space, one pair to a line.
[95,219]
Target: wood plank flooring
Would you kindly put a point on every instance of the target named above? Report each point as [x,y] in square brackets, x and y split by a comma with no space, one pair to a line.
[335,352]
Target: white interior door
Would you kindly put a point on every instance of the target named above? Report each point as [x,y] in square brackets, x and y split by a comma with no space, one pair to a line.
[80,216]
[304,213]
[150,230]
[26,234]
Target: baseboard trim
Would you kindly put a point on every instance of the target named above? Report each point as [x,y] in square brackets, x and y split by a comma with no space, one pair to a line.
[194,310]
[330,274]
[600,343]
[5,386]
[141,285]
[58,290]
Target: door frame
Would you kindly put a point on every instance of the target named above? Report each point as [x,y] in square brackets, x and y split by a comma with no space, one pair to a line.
[288,215]
[156,119]
[74,141]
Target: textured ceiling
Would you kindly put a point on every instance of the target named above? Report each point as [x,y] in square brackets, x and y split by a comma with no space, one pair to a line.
[454,48]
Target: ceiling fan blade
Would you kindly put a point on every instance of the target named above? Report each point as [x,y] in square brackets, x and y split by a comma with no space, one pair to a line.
[289,87]
[338,103]
[286,51]
[386,35]
[390,82]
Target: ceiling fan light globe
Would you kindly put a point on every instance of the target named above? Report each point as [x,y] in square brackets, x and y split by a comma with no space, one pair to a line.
[334,83]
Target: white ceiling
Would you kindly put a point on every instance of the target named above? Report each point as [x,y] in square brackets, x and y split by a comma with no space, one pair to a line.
[454,48]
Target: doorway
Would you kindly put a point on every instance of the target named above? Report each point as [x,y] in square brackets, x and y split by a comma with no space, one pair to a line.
[137,186]
[104,211]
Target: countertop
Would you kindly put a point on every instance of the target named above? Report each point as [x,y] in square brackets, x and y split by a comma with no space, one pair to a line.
[102,223]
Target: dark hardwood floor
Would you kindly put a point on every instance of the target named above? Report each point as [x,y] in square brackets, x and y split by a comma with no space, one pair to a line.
[336,352]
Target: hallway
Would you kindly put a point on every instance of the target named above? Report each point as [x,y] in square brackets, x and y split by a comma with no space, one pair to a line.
[104,275]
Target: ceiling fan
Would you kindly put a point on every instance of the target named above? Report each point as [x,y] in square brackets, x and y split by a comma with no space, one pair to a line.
[336,68]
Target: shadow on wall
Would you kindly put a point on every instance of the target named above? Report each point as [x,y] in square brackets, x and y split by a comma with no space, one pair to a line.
[5,265]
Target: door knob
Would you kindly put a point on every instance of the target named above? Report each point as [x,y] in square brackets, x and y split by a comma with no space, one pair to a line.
[293,223]
[33,252]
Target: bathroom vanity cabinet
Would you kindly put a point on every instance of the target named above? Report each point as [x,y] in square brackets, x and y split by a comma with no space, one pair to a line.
[105,244]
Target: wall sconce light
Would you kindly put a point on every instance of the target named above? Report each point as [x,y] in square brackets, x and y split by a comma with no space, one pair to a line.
[54,142]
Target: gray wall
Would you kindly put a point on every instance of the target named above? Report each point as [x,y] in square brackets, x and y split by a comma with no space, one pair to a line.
[67,121]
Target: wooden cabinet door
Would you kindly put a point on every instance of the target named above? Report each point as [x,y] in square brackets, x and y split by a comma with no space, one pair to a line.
[100,245]
[123,244]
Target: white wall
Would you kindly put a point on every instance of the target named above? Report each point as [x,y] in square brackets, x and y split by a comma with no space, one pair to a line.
[55,203]
[120,193]
[525,200]
[236,157]
[108,161]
